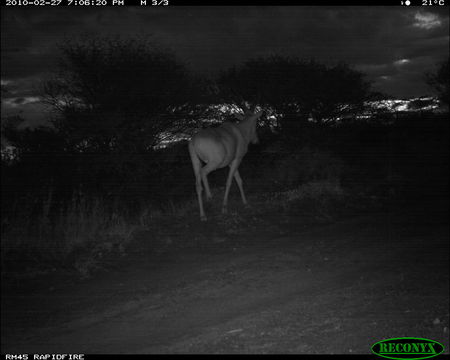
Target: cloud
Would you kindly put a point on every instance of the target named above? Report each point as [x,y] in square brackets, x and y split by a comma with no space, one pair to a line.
[31,109]
[216,37]
[19,98]
[426,20]
[401,62]
[21,87]
[19,101]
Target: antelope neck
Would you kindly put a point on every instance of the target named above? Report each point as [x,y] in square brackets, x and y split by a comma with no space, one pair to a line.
[245,127]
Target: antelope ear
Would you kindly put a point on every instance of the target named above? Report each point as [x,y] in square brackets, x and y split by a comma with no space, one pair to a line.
[239,116]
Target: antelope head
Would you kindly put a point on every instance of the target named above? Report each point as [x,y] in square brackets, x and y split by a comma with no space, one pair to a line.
[250,118]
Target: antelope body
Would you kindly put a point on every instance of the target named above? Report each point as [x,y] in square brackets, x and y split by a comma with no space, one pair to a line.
[221,147]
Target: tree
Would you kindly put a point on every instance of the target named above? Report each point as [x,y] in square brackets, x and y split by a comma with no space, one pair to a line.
[113,98]
[116,95]
[439,81]
[296,89]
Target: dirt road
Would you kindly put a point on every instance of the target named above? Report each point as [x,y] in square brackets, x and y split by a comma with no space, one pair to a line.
[337,288]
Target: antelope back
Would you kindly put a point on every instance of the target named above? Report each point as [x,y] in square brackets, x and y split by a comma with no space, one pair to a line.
[219,146]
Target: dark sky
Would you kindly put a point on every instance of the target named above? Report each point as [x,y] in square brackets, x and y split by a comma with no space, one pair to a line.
[394,46]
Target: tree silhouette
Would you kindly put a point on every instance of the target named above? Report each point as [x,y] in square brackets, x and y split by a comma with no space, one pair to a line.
[439,81]
[113,99]
[295,88]
[116,95]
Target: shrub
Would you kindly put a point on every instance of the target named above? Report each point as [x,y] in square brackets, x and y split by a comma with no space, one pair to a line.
[319,199]
[287,170]
[76,235]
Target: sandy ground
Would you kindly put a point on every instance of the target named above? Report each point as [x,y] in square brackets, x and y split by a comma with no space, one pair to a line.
[334,288]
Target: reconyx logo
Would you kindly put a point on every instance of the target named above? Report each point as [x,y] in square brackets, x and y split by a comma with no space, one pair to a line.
[407,348]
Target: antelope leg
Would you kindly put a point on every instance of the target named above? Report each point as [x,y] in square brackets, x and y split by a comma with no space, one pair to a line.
[233,167]
[238,179]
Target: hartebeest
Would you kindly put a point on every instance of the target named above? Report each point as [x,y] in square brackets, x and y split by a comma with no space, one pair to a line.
[223,146]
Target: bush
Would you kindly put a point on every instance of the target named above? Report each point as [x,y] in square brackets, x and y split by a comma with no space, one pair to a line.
[76,235]
[319,199]
[287,170]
